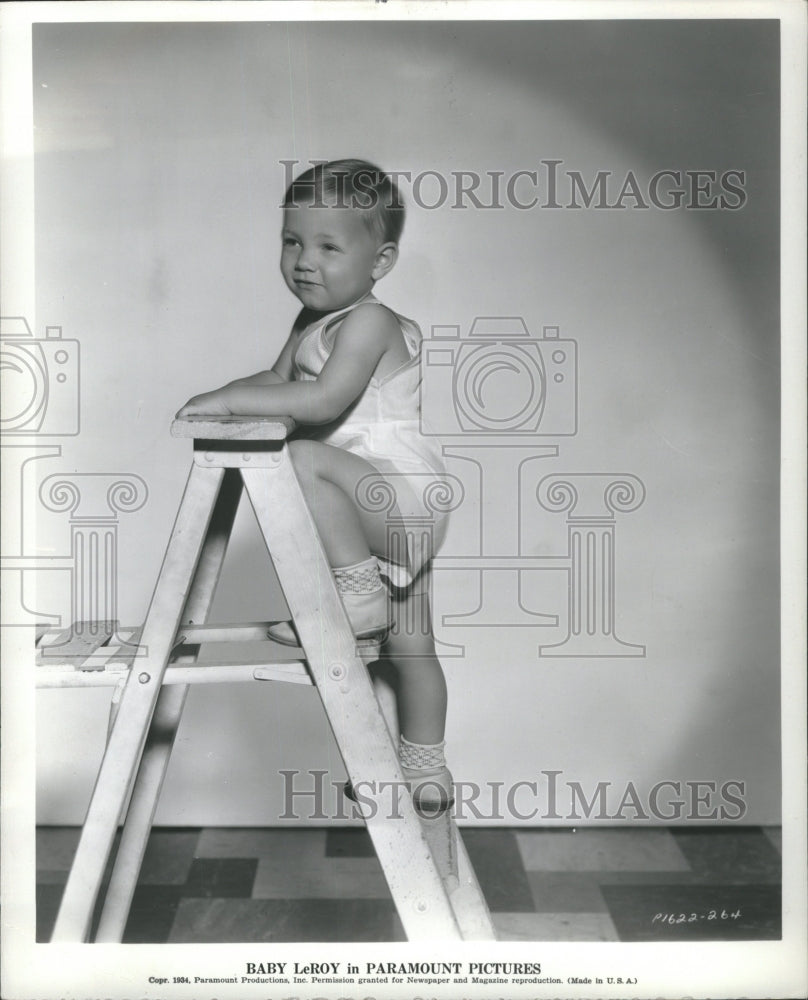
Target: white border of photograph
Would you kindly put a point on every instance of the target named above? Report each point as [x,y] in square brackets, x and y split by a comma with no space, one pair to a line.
[749,968]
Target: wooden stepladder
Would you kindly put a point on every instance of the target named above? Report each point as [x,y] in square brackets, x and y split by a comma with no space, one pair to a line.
[435,892]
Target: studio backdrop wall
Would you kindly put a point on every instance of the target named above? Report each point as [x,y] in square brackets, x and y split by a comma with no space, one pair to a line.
[651,332]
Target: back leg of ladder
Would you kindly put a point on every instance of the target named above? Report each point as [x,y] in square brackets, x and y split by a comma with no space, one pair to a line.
[140,813]
[165,722]
[137,704]
[347,695]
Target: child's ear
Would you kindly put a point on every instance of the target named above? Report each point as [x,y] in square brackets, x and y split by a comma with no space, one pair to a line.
[386,257]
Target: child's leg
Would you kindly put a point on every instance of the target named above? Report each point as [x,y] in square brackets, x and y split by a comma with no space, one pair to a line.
[350,533]
[421,702]
[329,477]
[419,682]
[410,668]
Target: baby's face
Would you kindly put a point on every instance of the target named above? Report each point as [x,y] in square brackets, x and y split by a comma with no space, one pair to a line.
[329,256]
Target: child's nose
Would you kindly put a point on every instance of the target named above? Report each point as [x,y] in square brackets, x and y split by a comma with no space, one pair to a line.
[304,261]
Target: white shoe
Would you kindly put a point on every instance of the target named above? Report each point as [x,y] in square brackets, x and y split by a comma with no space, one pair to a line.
[432,789]
[284,633]
[369,615]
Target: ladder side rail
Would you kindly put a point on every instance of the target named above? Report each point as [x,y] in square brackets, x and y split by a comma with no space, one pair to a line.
[165,722]
[469,905]
[137,705]
[345,689]
[468,902]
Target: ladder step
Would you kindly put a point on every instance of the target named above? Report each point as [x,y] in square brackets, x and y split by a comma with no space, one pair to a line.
[236,632]
[233,428]
[78,643]
[64,675]
[97,645]
[40,631]
[252,632]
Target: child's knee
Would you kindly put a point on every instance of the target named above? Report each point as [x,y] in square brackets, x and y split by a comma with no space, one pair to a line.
[405,645]
[301,450]
[304,459]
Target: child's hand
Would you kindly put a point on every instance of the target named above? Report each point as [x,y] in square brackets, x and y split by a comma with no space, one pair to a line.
[211,404]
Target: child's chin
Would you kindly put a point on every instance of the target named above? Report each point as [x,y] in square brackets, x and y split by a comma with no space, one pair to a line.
[313,297]
[318,302]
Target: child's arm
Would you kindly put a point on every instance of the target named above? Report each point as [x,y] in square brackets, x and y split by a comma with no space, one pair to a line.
[365,336]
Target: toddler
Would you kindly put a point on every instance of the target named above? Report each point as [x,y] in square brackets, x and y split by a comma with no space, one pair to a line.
[349,376]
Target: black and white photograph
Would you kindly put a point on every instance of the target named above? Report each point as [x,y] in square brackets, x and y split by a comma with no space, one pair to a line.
[403,451]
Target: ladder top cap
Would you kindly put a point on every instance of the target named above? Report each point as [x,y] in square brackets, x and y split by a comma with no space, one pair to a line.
[233,428]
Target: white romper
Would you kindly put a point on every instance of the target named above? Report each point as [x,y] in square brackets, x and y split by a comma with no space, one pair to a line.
[383,427]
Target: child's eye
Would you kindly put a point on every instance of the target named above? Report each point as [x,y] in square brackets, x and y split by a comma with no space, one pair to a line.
[289,241]
[330,247]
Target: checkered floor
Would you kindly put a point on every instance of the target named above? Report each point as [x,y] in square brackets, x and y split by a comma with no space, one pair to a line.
[596,884]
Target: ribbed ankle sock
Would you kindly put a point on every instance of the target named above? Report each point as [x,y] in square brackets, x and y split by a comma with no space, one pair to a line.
[360,578]
[364,597]
[421,756]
